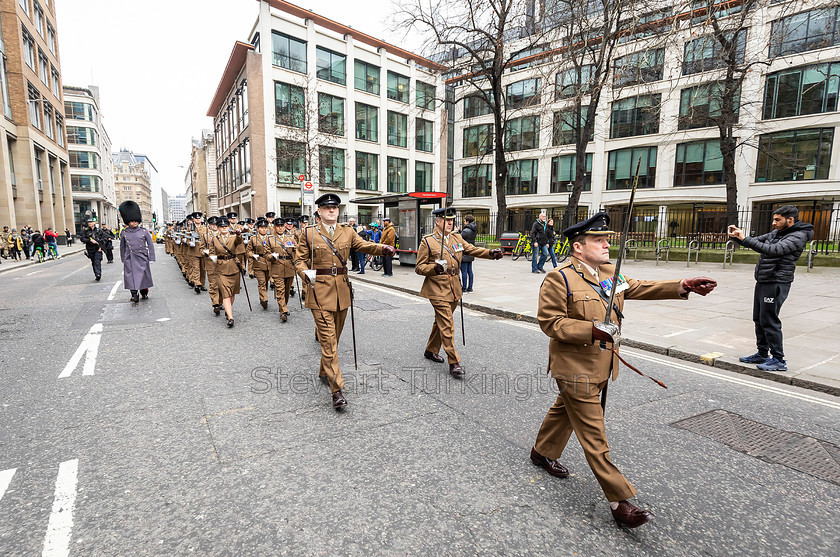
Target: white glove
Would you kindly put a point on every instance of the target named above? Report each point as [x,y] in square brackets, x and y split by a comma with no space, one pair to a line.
[276,256]
[310,275]
[206,251]
[192,244]
[213,258]
[255,256]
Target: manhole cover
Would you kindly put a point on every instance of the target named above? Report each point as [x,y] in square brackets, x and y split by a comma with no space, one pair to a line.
[373,305]
[806,454]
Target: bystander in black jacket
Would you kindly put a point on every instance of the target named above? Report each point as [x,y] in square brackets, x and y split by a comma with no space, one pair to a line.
[538,232]
[468,233]
[779,251]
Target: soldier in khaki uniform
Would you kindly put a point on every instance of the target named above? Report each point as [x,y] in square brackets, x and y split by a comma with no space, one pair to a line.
[572,298]
[442,285]
[321,260]
[283,265]
[167,238]
[192,251]
[260,250]
[212,276]
[228,254]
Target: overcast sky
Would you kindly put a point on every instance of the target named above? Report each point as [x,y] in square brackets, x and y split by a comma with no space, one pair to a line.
[158,62]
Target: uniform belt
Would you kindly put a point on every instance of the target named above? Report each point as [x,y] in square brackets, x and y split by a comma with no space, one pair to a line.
[331,271]
[225,257]
[452,272]
[283,257]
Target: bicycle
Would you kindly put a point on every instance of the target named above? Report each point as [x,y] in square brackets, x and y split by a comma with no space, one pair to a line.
[52,252]
[39,254]
[522,247]
[375,262]
[561,251]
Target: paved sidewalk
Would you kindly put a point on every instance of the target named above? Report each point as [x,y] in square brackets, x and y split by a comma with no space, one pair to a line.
[715,330]
[63,251]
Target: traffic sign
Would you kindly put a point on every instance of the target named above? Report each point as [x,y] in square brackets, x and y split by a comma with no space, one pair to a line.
[308,198]
[301,177]
[428,194]
[308,187]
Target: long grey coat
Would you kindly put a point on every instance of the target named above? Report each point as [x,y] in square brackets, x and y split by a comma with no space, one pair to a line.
[136,251]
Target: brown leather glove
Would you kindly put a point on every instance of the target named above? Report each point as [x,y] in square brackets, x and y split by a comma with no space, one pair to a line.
[699,285]
[389,251]
[496,253]
[602,335]
[439,269]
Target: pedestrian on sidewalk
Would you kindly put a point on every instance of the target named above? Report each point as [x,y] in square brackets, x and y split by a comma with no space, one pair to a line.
[582,357]
[389,238]
[439,260]
[68,236]
[468,233]
[354,257]
[552,240]
[16,245]
[26,236]
[779,249]
[52,241]
[137,251]
[539,242]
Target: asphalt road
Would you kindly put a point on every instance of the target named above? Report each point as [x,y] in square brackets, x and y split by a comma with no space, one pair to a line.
[180,436]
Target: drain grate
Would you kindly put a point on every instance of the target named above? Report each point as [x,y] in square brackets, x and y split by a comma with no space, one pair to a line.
[809,455]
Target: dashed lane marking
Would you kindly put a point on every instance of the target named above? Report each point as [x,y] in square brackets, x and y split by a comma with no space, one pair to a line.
[34,272]
[114,290]
[5,479]
[60,526]
[89,348]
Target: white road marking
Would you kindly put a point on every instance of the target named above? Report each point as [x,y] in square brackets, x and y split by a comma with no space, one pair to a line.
[5,480]
[60,526]
[675,334]
[162,319]
[89,348]
[114,290]
[35,272]
[819,363]
[387,291]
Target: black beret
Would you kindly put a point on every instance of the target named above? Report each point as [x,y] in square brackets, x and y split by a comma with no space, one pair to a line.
[445,212]
[328,200]
[597,225]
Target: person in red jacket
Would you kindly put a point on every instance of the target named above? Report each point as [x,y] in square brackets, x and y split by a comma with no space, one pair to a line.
[52,241]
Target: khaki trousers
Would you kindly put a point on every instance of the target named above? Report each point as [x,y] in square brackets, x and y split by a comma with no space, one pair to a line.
[213,285]
[443,331]
[578,409]
[328,325]
[193,269]
[262,283]
[282,286]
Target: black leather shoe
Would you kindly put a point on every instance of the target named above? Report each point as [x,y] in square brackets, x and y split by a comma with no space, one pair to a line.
[455,370]
[230,323]
[145,293]
[434,357]
[551,466]
[204,289]
[197,289]
[135,299]
[98,278]
[217,310]
[264,304]
[628,514]
[284,316]
[338,400]
[191,283]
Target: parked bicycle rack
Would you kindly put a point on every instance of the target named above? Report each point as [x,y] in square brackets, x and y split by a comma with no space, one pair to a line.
[659,250]
[730,252]
[694,244]
[631,243]
[812,251]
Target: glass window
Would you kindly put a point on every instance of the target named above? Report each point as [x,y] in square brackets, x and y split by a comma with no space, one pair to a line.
[524,93]
[81,136]
[635,116]
[398,87]
[478,140]
[699,164]
[803,90]
[25,5]
[56,88]
[573,82]
[397,175]
[563,173]
[397,129]
[331,166]
[39,175]
[522,177]
[425,96]
[639,67]
[621,168]
[706,53]
[424,139]
[289,105]
[10,145]
[51,37]
[84,183]
[522,133]
[39,17]
[79,111]
[646,25]
[84,159]
[291,161]
[367,171]
[423,176]
[331,66]
[48,119]
[34,106]
[4,85]
[28,49]
[330,114]
[476,105]
[367,122]
[700,106]
[566,125]
[805,31]
[59,129]
[477,180]
[366,77]
[794,155]
[43,68]
[288,52]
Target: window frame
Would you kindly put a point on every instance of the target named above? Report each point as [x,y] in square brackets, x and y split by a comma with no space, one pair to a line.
[333,154]
[681,172]
[394,92]
[394,137]
[398,166]
[332,122]
[329,72]
[370,169]
[646,180]
[819,150]
[421,141]
[514,174]
[483,176]
[373,84]
[367,109]
[515,100]
[293,115]
[556,185]
[515,133]
[636,125]
[293,64]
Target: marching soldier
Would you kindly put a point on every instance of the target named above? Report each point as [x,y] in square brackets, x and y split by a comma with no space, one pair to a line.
[228,254]
[322,260]
[234,225]
[192,251]
[439,260]
[212,276]
[283,265]
[167,238]
[260,249]
[582,357]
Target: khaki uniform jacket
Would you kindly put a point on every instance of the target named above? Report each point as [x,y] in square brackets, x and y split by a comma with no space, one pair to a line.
[444,287]
[567,309]
[331,293]
[262,247]
[235,245]
[389,236]
[206,243]
[193,251]
[284,268]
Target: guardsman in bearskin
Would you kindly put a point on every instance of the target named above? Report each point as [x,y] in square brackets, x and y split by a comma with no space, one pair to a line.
[212,276]
[137,251]
[439,260]
[582,355]
[227,252]
[260,249]
[321,258]
[283,265]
